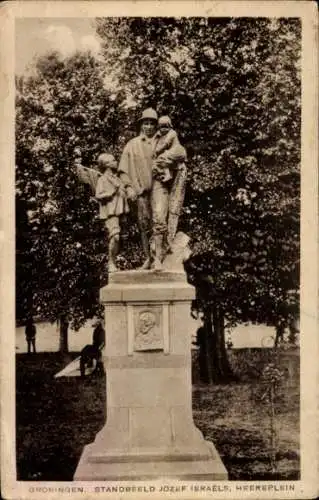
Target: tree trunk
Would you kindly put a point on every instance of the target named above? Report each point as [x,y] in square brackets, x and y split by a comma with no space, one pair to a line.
[63,343]
[222,371]
[280,330]
[214,366]
[204,339]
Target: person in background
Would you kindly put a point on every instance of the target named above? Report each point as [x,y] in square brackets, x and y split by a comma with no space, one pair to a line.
[98,344]
[93,351]
[30,334]
[98,335]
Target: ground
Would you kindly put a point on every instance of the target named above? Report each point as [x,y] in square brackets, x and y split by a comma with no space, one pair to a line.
[56,418]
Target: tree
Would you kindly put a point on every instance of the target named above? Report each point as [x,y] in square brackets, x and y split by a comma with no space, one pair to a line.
[232,88]
[64,106]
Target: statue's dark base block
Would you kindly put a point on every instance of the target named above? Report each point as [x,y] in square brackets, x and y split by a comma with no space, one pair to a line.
[149,432]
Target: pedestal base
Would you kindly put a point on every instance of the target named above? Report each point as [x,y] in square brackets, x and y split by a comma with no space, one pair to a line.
[149,432]
[172,468]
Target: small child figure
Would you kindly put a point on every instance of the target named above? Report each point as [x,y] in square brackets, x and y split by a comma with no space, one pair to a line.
[112,191]
[166,139]
[111,188]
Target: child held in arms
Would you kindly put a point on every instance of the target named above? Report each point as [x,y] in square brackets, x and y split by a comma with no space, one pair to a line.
[165,139]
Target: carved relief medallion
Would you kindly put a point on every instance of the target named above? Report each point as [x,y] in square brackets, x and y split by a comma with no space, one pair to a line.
[148,330]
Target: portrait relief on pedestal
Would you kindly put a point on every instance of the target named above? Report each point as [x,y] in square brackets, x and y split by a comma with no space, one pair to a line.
[148,330]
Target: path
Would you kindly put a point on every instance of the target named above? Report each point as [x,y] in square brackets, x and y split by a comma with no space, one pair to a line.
[48,337]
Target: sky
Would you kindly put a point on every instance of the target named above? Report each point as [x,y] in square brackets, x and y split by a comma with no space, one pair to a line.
[36,36]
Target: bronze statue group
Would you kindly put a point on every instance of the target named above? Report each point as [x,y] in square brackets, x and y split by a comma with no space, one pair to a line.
[151,173]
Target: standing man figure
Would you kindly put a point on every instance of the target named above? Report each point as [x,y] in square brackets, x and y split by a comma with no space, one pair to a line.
[136,162]
[30,334]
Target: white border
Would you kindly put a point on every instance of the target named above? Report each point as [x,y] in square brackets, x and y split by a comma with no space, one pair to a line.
[307,487]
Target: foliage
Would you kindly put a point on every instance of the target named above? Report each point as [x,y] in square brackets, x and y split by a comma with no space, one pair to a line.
[62,107]
[272,377]
[232,88]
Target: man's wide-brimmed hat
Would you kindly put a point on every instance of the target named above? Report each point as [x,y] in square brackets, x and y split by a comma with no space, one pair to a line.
[149,114]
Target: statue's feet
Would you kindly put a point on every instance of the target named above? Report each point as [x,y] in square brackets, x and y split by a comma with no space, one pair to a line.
[169,248]
[157,265]
[112,267]
[146,265]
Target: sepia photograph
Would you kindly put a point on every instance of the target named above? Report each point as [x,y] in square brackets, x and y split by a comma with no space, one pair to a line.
[159,322]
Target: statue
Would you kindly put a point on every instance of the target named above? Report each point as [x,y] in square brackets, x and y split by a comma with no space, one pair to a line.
[112,189]
[154,162]
[152,173]
[136,162]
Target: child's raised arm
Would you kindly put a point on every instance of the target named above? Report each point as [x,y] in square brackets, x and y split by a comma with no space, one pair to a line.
[87,175]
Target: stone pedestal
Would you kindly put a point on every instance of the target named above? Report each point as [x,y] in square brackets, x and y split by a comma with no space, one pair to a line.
[149,432]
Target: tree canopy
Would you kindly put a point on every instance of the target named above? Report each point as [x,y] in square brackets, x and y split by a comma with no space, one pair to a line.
[232,89]
[64,107]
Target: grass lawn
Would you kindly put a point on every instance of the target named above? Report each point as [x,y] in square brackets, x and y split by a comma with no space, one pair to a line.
[56,418]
